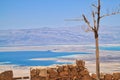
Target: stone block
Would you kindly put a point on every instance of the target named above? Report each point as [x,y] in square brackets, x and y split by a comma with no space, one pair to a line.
[63,74]
[33,72]
[86,77]
[108,77]
[7,75]
[84,72]
[116,76]
[43,72]
[59,69]
[52,72]
[80,63]
[94,76]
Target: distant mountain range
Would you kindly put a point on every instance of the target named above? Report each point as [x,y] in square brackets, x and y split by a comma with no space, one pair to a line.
[57,36]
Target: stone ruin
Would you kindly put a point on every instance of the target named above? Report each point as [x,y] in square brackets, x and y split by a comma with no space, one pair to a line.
[61,72]
[68,72]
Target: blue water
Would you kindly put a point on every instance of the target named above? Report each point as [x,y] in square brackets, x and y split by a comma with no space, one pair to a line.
[110,48]
[21,58]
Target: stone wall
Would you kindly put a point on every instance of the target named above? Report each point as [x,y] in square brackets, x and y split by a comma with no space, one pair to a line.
[64,72]
[61,72]
[68,72]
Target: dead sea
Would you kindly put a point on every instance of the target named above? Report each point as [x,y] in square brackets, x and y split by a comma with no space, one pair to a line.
[109,59]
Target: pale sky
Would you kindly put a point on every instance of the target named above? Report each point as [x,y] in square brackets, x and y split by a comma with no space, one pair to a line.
[24,14]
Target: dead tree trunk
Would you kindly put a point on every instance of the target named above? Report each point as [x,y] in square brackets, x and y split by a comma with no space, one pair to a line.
[97,55]
[97,58]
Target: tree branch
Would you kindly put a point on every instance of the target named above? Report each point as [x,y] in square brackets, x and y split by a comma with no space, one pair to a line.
[94,20]
[113,13]
[98,15]
[87,29]
[87,22]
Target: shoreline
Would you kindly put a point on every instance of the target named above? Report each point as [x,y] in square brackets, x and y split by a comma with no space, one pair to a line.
[57,48]
[106,66]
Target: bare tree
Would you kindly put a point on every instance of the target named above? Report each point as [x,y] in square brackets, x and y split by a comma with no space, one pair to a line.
[96,15]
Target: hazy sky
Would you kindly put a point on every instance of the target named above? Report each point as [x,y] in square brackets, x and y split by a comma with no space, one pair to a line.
[20,14]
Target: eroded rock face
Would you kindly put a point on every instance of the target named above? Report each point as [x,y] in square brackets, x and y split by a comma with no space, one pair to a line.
[7,75]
